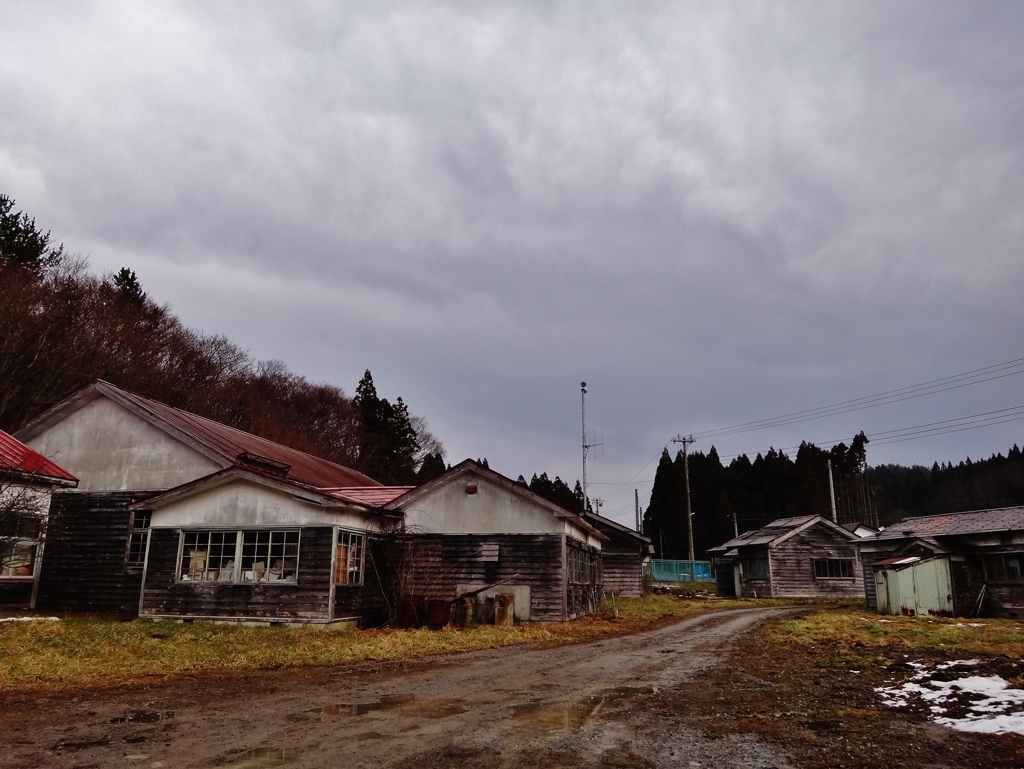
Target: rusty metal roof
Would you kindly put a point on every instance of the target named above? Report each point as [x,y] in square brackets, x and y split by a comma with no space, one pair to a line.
[227,445]
[371,496]
[955,524]
[16,457]
[766,534]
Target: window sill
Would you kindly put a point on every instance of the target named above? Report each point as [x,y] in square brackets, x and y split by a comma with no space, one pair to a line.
[17,578]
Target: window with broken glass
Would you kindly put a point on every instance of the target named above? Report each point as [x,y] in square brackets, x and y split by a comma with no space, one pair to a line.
[239,556]
[138,537]
[833,568]
[18,559]
[348,565]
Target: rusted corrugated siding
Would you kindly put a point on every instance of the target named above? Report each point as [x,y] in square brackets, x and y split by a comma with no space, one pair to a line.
[306,599]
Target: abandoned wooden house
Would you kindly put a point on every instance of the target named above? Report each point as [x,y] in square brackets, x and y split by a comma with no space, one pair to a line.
[27,482]
[623,556]
[177,516]
[802,557]
[474,533]
[955,564]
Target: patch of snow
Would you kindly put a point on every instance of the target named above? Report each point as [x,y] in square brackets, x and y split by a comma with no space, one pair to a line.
[993,708]
[30,619]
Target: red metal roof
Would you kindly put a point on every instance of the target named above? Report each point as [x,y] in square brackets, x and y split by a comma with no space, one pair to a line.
[17,457]
[231,443]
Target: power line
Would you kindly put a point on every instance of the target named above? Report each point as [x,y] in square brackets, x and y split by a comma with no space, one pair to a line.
[931,387]
[927,430]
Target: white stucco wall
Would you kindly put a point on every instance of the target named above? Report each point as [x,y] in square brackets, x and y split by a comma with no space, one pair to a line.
[492,510]
[111,449]
[241,504]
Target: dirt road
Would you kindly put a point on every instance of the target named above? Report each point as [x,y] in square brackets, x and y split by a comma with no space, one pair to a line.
[588,705]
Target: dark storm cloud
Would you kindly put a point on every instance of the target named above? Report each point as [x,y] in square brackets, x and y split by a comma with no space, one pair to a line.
[711,213]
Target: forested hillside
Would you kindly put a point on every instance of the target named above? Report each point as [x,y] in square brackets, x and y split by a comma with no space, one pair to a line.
[62,327]
[745,494]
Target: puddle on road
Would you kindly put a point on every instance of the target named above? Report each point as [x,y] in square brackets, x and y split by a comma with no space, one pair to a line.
[261,757]
[557,718]
[403,704]
[143,717]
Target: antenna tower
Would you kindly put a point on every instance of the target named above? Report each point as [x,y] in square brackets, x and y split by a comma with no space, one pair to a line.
[586,446]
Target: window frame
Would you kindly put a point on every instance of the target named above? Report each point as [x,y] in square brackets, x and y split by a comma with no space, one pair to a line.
[33,562]
[750,573]
[353,551]
[138,539]
[829,562]
[246,544]
[1004,577]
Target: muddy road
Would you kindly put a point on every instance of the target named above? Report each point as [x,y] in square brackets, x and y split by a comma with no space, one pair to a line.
[593,704]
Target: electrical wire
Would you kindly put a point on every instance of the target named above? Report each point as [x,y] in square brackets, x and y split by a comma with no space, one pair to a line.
[931,387]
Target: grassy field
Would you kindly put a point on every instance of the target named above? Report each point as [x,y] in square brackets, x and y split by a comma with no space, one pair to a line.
[855,633]
[81,653]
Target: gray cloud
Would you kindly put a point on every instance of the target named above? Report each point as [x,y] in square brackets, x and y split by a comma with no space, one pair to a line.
[710,213]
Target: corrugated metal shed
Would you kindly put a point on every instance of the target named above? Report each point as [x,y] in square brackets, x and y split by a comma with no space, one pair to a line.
[16,457]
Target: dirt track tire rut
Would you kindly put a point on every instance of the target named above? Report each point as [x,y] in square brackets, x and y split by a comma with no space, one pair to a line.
[584,705]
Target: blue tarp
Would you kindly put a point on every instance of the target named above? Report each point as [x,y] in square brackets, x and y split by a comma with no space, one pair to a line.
[680,571]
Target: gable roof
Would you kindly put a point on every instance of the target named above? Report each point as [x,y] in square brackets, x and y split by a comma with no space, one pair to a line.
[600,522]
[780,530]
[955,524]
[471,466]
[369,497]
[226,445]
[19,459]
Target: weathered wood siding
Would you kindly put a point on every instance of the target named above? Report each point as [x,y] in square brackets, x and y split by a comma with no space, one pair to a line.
[623,571]
[306,599]
[433,565]
[15,593]
[792,566]
[84,565]
[365,601]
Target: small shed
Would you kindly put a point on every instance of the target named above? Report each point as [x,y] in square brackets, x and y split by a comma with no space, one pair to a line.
[953,564]
[473,532]
[623,556]
[27,481]
[803,557]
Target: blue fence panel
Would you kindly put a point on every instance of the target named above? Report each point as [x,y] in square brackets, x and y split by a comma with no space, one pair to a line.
[662,570]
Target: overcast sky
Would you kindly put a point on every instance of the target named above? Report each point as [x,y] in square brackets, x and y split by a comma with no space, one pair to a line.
[711,212]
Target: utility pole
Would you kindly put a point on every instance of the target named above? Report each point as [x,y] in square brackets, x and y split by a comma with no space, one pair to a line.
[636,503]
[832,492]
[597,505]
[586,446]
[735,525]
[686,474]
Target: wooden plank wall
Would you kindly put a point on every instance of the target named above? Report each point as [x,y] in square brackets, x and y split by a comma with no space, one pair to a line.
[84,562]
[623,569]
[432,565]
[15,594]
[306,599]
[792,567]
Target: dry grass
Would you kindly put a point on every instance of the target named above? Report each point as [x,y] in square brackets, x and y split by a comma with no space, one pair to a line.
[855,631]
[81,653]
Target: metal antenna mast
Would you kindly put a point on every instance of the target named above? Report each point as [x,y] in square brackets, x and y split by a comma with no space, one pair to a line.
[586,446]
[686,473]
